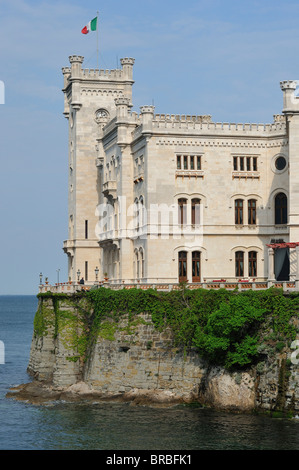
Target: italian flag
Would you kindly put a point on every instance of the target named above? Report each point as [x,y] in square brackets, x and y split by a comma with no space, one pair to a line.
[91,26]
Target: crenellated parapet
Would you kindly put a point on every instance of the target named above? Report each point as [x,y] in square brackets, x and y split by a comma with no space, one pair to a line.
[77,72]
[203,125]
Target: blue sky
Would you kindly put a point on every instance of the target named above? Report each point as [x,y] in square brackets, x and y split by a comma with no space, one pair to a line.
[224,58]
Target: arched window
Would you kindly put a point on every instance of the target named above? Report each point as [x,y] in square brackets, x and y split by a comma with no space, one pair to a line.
[182,215]
[252,263]
[239,212]
[281,209]
[195,211]
[182,266]
[196,266]
[252,212]
[239,263]
[136,262]
[141,256]
[141,213]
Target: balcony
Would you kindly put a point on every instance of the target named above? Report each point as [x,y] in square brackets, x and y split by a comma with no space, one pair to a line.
[109,188]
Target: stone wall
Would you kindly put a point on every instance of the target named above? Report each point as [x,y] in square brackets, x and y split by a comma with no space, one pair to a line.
[131,360]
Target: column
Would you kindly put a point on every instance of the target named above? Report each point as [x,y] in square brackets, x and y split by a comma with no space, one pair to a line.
[271,275]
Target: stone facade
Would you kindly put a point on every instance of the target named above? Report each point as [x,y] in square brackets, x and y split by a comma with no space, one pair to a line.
[168,198]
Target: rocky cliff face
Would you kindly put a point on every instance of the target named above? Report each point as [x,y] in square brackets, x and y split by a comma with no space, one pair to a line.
[130,359]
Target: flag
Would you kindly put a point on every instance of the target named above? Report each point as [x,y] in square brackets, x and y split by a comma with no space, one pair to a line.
[91,26]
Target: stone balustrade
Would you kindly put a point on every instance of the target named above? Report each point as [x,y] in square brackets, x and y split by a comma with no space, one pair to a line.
[242,285]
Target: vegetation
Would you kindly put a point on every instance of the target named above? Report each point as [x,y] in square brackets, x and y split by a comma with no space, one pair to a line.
[227,328]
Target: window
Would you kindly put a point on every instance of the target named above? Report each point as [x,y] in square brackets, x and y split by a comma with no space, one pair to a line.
[182,266]
[195,211]
[136,264]
[86,229]
[185,162]
[281,204]
[182,215]
[248,166]
[198,159]
[254,163]
[241,162]
[86,270]
[196,266]
[252,264]
[191,162]
[245,163]
[136,214]
[239,212]
[188,162]
[142,262]
[280,163]
[236,163]
[252,212]
[239,263]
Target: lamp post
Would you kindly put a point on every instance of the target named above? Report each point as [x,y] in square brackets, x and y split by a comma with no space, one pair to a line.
[40,278]
[96,273]
[78,274]
[57,275]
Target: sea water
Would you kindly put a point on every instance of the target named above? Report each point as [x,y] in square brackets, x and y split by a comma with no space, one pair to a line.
[98,426]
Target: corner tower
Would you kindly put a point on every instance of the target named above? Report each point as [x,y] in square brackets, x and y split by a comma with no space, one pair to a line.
[89,104]
[291,110]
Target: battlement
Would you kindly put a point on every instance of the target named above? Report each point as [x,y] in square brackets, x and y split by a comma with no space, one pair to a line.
[204,124]
[101,73]
[75,71]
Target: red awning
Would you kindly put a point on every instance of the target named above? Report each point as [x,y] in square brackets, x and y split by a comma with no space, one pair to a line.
[283,245]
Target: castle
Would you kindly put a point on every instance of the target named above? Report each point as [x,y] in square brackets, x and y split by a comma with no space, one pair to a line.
[169,198]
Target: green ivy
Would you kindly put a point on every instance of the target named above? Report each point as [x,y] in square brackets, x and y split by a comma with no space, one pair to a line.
[227,328]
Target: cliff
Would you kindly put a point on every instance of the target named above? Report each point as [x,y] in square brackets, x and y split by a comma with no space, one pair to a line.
[147,347]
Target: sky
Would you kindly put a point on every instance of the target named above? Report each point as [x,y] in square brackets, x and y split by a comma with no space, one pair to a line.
[222,58]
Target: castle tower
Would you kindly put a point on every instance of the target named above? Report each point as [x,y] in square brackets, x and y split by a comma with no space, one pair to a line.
[291,110]
[89,104]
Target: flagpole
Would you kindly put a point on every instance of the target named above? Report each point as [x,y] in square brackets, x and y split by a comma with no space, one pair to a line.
[97,39]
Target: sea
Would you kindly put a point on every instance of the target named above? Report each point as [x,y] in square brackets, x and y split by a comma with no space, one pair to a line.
[119,429]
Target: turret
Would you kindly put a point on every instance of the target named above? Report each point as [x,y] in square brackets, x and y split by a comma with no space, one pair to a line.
[147,113]
[290,101]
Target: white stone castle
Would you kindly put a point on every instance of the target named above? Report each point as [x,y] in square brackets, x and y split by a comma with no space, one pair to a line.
[160,199]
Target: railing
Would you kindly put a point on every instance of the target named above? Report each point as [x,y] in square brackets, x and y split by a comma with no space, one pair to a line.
[73,287]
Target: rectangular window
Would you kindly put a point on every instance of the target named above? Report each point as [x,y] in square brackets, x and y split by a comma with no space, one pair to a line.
[198,163]
[254,163]
[86,270]
[86,229]
[236,163]
[241,163]
[188,162]
[245,163]
[191,162]
[248,163]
